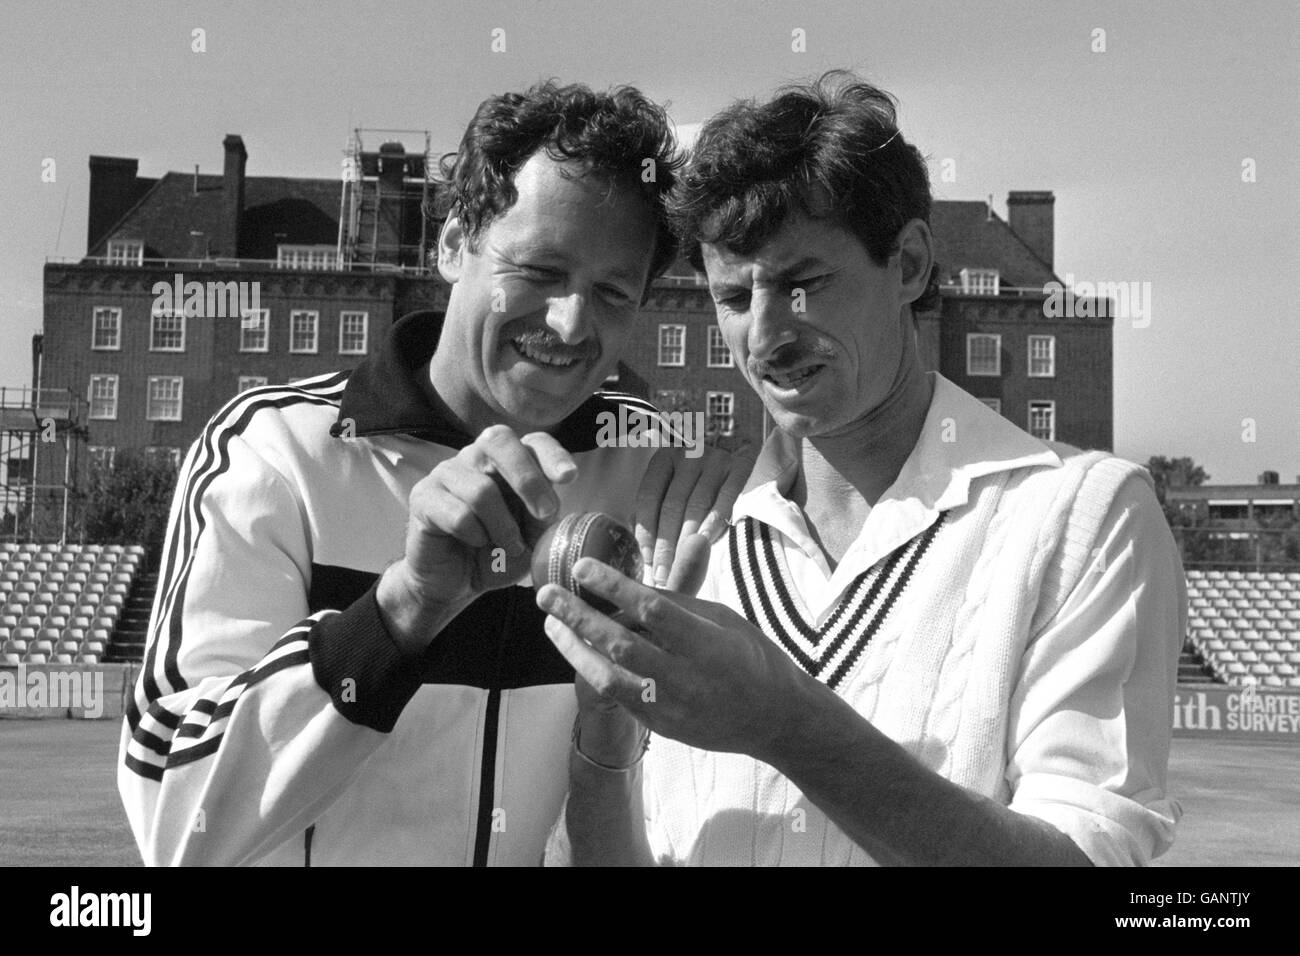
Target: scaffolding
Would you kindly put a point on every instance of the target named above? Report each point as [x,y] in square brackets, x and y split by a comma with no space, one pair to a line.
[41,435]
[382,220]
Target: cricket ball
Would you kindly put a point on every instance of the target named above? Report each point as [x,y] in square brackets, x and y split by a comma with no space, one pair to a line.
[585,535]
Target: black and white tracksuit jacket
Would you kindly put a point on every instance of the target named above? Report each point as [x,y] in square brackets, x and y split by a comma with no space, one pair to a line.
[275,721]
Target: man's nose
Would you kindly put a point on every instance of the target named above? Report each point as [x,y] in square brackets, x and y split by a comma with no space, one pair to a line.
[772,324]
[569,316]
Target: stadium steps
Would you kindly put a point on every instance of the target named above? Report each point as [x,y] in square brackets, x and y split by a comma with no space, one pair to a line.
[133,627]
[1192,669]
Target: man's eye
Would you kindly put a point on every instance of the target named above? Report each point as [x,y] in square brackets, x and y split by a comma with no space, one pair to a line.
[538,274]
[812,282]
[736,300]
[616,296]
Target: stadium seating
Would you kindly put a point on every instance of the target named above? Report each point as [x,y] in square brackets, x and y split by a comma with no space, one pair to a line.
[61,603]
[1245,625]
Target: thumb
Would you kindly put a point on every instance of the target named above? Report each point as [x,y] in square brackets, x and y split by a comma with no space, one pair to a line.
[690,565]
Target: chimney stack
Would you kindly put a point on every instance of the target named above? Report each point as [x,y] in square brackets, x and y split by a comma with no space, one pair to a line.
[1030,215]
[232,196]
[112,192]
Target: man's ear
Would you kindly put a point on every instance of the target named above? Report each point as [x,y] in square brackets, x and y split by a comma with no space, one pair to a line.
[451,247]
[916,259]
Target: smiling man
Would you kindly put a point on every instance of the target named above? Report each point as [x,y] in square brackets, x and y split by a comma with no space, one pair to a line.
[928,637]
[346,664]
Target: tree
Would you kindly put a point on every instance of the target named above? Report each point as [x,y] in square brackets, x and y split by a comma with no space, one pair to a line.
[1174,473]
[128,503]
[1195,544]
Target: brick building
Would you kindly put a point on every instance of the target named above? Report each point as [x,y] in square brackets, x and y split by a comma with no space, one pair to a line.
[334,262]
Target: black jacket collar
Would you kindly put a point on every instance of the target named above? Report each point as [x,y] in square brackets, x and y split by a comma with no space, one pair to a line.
[383,394]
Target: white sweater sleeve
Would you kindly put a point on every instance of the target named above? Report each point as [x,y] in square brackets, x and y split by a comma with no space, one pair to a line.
[1091,717]
[250,715]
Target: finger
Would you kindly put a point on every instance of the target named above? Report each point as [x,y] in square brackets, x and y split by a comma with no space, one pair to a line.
[651,493]
[708,486]
[740,467]
[556,462]
[437,511]
[608,638]
[607,679]
[490,504]
[657,617]
[691,565]
[672,512]
[519,466]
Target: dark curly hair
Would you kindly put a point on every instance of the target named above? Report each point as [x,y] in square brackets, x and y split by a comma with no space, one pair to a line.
[830,149]
[618,135]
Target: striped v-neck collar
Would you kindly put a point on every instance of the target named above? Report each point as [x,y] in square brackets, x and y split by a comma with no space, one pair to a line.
[770,600]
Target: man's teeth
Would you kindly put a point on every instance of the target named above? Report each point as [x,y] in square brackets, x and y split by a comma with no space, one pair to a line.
[546,357]
[794,379]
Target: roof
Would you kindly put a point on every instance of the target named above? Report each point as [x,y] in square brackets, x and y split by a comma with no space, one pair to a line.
[968,236]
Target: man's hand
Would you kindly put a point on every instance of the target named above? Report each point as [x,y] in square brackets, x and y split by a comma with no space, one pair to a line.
[472,524]
[680,496]
[688,669]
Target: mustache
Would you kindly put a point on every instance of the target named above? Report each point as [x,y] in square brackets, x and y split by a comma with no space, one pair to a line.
[546,341]
[790,357]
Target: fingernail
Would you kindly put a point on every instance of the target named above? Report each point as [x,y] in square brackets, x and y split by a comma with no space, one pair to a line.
[548,507]
[661,575]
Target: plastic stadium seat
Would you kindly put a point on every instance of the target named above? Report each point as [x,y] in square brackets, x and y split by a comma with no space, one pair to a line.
[1260,669]
[34,621]
[119,589]
[63,659]
[81,620]
[87,658]
[100,634]
[1293,681]
[41,646]
[7,658]
[35,657]
[9,620]
[51,634]
[1272,657]
[1283,646]
[1285,670]
[12,646]
[93,646]
[1248,657]
[1253,614]
[105,622]
[95,587]
[77,634]
[1272,680]
[1236,670]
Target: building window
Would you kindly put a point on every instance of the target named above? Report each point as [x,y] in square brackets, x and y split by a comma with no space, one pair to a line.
[168,332]
[101,457]
[983,354]
[1042,420]
[979,281]
[306,257]
[719,355]
[672,345]
[993,403]
[354,329]
[302,331]
[106,329]
[167,453]
[1042,356]
[164,399]
[720,413]
[125,252]
[103,397]
[255,330]
[671,399]
[250,381]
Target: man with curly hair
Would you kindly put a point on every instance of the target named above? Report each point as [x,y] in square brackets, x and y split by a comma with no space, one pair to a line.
[929,638]
[346,664]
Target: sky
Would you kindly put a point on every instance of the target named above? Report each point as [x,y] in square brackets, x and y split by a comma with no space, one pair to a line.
[1168,131]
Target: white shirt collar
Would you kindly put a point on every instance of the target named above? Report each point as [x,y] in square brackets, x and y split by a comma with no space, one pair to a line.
[962,439]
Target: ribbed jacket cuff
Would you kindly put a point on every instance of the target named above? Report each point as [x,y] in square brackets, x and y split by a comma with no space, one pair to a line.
[356,662]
